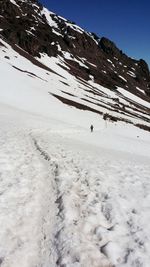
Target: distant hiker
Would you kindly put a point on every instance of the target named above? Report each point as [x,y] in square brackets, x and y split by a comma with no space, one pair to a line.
[91,127]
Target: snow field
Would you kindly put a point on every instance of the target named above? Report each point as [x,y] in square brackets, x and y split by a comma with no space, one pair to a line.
[102,206]
[68,198]
[27,196]
[30,88]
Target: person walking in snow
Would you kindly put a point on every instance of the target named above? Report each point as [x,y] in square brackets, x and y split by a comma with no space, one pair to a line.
[91,127]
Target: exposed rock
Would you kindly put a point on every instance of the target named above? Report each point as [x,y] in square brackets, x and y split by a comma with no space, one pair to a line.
[109,47]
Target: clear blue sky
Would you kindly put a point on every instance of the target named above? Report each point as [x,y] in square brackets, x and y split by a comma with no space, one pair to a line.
[125,22]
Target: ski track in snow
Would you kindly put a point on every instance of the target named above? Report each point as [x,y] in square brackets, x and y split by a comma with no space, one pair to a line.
[63,204]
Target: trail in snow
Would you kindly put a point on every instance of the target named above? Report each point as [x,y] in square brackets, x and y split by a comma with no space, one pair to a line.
[27,203]
[69,203]
[68,198]
[103,205]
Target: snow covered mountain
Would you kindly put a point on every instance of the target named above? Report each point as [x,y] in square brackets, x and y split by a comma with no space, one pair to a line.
[91,72]
[69,197]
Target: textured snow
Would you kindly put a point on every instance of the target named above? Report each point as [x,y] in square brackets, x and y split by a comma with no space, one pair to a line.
[134,98]
[68,197]
[89,180]
[14,2]
[109,61]
[132,74]
[122,78]
[104,71]
[56,32]
[67,55]
[91,64]
[141,90]
[75,27]
[49,19]
[29,32]
[91,35]
[26,236]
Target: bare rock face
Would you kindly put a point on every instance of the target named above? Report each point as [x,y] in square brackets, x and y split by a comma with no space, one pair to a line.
[34,29]
[109,47]
[144,67]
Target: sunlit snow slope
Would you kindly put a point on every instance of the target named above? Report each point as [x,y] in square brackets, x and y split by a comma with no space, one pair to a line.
[33,82]
[69,197]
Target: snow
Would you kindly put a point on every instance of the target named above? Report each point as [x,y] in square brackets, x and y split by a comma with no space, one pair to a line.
[74,27]
[141,90]
[109,61]
[134,98]
[62,18]
[122,78]
[57,165]
[59,47]
[91,35]
[49,19]
[132,74]
[24,223]
[29,32]
[91,77]
[14,2]
[56,32]
[68,197]
[91,64]
[69,56]
[35,7]
[52,22]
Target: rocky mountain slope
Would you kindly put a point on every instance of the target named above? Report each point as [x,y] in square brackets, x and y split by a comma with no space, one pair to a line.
[108,82]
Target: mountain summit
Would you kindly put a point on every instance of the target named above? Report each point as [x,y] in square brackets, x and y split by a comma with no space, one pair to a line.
[96,62]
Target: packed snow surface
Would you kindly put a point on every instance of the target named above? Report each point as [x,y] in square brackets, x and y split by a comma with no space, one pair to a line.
[68,197]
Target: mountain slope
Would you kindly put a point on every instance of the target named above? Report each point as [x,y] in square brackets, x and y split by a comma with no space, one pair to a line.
[52,42]
[36,30]
[69,197]
[27,78]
